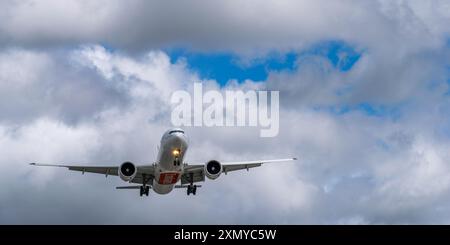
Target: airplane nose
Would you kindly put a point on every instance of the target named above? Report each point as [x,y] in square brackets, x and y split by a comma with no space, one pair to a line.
[179,138]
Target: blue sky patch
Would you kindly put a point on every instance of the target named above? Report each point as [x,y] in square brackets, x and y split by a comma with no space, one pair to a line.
[223,66]
[368,109]
[341,55]
[448,90]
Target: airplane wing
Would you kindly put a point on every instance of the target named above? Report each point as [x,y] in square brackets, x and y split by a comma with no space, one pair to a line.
[148,170]
[196,171]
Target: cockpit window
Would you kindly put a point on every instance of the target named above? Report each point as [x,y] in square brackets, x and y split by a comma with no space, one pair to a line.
[176,131]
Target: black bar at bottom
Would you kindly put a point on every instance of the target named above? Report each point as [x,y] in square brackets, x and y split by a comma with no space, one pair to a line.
[218,233]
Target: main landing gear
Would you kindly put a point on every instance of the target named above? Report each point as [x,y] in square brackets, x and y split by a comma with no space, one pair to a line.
[144,190]
[191,189]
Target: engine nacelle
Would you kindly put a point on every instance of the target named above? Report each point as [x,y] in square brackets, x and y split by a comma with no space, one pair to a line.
[213,169]
[127,171]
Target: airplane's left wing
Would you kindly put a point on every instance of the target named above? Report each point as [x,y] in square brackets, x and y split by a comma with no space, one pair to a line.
[105,170]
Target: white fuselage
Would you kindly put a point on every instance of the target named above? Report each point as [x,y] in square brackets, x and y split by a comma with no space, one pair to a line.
[169,165]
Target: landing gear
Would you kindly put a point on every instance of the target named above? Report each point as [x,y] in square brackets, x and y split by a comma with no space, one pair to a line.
[191,189]
[176,161]
[144,190]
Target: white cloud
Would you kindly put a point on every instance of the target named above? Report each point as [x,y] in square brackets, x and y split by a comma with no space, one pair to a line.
[91,104]
[341,162]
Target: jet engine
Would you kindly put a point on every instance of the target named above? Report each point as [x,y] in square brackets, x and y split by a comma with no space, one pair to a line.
[127,171]
[213,169]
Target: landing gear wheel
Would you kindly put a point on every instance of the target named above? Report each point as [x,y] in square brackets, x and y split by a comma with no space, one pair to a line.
[191,189]
[144,190]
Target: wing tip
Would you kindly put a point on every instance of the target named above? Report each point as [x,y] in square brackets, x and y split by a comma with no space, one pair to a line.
[294,158]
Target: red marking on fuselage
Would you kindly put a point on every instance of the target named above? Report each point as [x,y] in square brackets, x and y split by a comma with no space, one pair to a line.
[168,178]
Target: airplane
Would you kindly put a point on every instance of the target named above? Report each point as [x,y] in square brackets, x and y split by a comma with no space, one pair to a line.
[169,168]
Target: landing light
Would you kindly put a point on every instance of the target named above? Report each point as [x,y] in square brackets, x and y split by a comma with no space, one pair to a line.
[176,152]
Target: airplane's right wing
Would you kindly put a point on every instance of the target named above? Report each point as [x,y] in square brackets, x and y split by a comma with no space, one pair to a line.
[196,172]
[233,166]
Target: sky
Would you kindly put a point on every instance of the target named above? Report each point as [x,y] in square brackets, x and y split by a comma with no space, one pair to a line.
[364,105]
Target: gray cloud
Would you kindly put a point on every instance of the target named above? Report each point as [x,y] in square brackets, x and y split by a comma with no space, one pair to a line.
[35,84]
[246,27]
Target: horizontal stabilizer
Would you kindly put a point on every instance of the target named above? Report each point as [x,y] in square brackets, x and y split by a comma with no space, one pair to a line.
[184,186]
[129,187]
